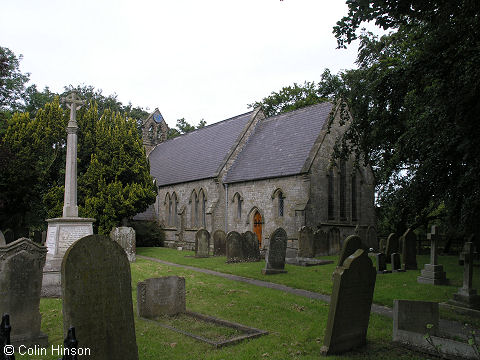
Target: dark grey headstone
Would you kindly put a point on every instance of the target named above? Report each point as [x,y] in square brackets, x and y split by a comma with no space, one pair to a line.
[333,237]
[21,271]
[202,243]
[320,243]
[275,257]
[2,239]
[125,237]
[161,296]
[350,245]
[381,263]
[382,246]
[234,247]
[392,246]
[409,250]
[251,249]
[9,237]
[414,316]
[351,301]
[396,262]
[306,243]
[219,243]
[97,298]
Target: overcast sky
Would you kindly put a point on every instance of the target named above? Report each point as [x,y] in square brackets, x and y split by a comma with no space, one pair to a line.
[190,58]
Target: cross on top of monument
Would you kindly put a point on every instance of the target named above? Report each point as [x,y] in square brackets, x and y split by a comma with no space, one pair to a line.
[73,98]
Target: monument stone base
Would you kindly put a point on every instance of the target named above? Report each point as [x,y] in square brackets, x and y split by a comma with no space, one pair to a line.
[61,234]
[273,271]
[41,340]
[433,274]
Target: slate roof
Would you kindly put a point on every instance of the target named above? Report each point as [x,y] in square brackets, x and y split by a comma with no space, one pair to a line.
[198,154]
[280,145]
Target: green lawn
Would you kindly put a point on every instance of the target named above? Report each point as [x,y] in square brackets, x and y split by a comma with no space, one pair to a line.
[296,325]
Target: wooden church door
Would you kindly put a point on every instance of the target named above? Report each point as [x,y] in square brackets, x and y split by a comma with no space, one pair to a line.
[257,227]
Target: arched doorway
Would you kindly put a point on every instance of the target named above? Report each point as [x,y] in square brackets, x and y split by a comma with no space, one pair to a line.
[257,227]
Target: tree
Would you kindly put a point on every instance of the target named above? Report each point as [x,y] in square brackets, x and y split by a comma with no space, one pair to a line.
[12,81]
[415,104]
[297,96]
[184,127]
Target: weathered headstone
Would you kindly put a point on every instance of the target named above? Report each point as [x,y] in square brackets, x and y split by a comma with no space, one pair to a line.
[202,243]
[333,241]
[275,257]
[251,250]
[161,296]
[97,298]
[2,239]
[351,301]
[219,243]
[433,273]
[306,243]
[409,250]
[467,296]
[414,316]
[392,246]
[320,243]
[350,245]
[396,262]
[234,247]
[125,237]
[21,264]
[382,245]
[9,236]
[381,261]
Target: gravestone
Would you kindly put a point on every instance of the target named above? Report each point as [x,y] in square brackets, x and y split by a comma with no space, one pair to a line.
[234,247]
[21,264]
[409,250]
[433,273]
[202,243]
[2,239]
[392,246]
[396,262]
[9,236]
[350,245]
[372,241]
[306,242]
[333,237]
[161,296]
[125,237]
[351,301]
[467,296]
[275,257]
[320,243]
[97,298]
[382,245]
[414,316]
[219,243]
[381,261]
[251,250]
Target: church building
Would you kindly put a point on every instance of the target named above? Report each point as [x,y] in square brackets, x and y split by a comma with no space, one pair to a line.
[251,173]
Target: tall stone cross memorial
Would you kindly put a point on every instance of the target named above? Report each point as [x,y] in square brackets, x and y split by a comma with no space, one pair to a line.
[433,273]
[467,297]
[63,232]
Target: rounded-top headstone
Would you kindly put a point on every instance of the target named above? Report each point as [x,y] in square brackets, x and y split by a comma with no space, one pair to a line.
[234,247]
[219,238]
[350,245]
[97,298]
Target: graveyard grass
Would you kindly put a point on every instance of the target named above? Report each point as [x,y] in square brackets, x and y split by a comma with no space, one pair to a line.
[296,325]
